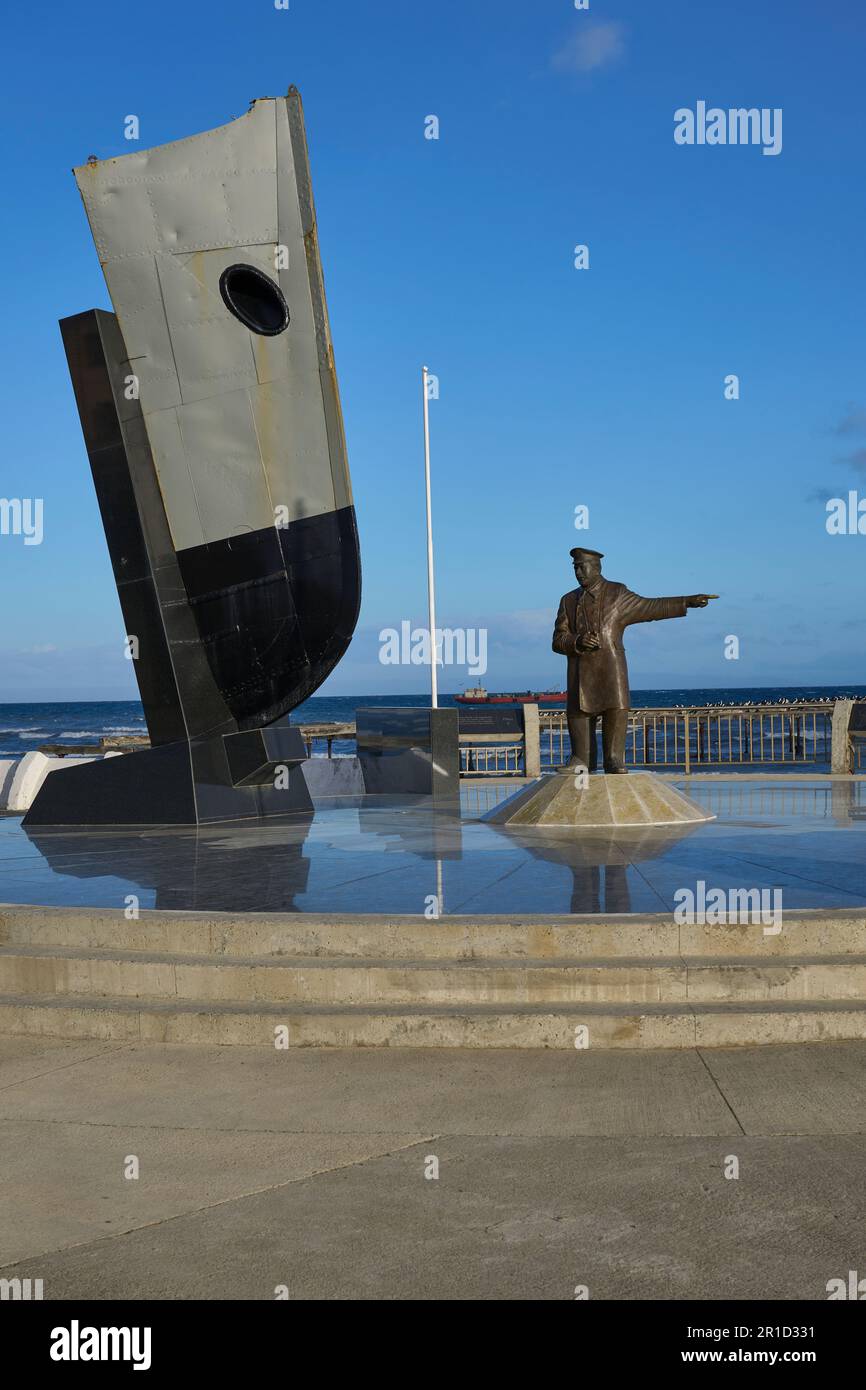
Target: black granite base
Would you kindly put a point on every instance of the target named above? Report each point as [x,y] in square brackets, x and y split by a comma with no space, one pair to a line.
[234,777]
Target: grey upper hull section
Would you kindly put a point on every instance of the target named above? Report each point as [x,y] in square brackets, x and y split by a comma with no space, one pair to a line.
[244,428]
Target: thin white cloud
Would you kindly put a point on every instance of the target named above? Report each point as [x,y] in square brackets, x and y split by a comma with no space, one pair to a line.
[595,44]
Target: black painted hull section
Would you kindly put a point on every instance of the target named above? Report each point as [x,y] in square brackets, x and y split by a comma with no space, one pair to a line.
[275,610]
[233,634]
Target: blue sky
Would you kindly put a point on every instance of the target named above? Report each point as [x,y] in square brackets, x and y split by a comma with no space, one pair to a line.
[559,387]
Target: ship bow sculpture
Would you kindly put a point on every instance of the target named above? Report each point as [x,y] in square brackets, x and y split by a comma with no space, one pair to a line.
[211,414]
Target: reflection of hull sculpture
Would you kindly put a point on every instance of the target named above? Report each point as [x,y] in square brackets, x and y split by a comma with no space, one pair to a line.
[249,868]
[211,413]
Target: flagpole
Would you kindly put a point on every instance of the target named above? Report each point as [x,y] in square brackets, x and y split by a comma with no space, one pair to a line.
[431,591]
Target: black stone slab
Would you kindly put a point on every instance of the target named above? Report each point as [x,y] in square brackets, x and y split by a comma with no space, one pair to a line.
[411,752]
[491,719]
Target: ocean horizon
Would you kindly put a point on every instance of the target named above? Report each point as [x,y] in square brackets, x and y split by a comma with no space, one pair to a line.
[25,725]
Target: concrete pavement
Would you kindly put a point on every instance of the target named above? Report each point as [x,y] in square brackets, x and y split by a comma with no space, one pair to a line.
[315,1171]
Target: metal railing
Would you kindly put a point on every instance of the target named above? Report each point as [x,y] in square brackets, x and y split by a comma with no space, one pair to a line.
[699,737]
[691,738]
[491,760]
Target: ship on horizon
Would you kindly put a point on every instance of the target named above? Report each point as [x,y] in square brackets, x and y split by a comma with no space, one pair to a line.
[477,695]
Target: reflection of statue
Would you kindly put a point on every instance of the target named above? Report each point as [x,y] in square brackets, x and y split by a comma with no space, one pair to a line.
[589,628]
[603,863]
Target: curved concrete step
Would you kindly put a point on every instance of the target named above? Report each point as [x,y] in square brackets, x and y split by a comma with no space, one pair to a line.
[202,979]
[577,1027]
[524,937]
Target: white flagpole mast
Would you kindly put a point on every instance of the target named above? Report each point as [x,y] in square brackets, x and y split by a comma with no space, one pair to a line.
[431,591]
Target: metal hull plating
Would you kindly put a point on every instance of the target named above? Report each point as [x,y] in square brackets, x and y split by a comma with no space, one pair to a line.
[244,428]
[211,414]
[299,583]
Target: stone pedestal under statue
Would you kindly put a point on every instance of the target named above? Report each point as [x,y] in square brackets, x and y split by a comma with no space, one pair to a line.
[565,798]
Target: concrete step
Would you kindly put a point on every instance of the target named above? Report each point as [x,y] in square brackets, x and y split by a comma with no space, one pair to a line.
[200,979]
[574,1026]
[304,936]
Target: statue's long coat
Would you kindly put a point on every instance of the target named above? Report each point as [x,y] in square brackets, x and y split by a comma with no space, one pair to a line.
[598,680]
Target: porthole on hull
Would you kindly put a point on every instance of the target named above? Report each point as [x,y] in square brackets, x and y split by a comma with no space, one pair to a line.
[255,299]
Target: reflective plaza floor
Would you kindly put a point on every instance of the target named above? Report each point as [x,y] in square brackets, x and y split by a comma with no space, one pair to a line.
[392,855]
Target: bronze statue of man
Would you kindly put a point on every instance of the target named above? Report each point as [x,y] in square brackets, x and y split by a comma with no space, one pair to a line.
[589,628]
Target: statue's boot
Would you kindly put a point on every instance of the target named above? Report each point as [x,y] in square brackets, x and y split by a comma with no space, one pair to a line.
[581,733]
[613,734]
